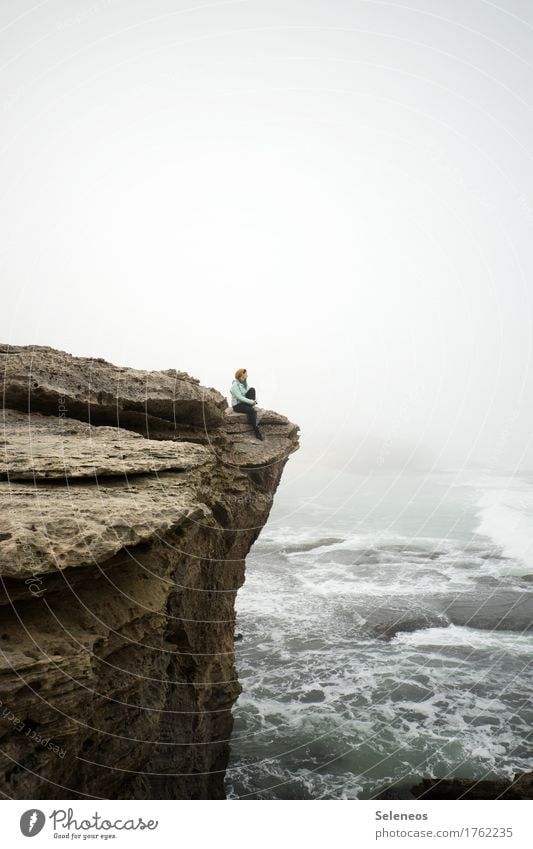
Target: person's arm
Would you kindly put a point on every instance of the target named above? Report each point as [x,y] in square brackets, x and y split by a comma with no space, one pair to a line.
[239,393]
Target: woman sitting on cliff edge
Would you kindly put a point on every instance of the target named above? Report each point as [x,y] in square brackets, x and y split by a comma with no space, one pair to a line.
[243,399]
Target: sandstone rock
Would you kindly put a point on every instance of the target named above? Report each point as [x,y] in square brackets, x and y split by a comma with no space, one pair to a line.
[120,560]
[45,528]
[37,446]
[280,436]
[40,379]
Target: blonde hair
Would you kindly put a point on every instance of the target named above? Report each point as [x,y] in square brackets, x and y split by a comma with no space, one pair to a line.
[239,373]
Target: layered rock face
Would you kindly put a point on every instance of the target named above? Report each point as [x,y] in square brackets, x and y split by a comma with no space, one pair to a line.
[129,502]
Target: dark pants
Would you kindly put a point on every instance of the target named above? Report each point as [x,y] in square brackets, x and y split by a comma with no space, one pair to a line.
[247,408]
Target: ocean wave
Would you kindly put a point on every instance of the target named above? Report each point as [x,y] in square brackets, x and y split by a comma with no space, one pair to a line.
[506,517]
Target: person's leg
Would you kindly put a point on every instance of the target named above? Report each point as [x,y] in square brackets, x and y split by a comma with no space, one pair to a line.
[249,410]
[251,394]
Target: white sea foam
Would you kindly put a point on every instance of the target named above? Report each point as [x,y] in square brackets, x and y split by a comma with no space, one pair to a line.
[461,636]
[352,678]
[506,516]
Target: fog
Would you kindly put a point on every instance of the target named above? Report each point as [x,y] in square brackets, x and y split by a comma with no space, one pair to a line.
[336,195]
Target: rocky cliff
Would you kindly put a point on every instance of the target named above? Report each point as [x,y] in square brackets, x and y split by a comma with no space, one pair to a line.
[130,500]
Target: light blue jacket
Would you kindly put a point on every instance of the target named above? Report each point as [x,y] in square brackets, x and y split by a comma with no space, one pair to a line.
[238,388]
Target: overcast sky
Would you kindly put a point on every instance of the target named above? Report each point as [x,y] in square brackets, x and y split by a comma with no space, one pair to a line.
[336,195]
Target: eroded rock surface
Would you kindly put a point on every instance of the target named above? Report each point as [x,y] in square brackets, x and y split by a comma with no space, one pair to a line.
[129,502]
[47,447]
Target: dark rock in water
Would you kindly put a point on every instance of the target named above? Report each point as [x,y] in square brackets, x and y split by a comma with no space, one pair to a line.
[237,638]
[502,610]
[488,580]
[396,792]
[308,546]
[527,578]
[382,554]
[476,721]
[484,553]
[384,623]
[413,551]
[409,691]
[351,557]
[312,696]
[490,555]
[521,787]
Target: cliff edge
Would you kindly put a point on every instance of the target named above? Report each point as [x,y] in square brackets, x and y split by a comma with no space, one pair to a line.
[130,500]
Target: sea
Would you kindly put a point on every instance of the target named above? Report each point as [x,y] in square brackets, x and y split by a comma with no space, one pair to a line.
[385,634]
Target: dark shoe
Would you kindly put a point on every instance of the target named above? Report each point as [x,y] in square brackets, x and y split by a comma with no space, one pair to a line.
[259,434]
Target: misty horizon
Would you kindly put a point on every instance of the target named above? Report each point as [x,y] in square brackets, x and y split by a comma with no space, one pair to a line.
[334,195]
